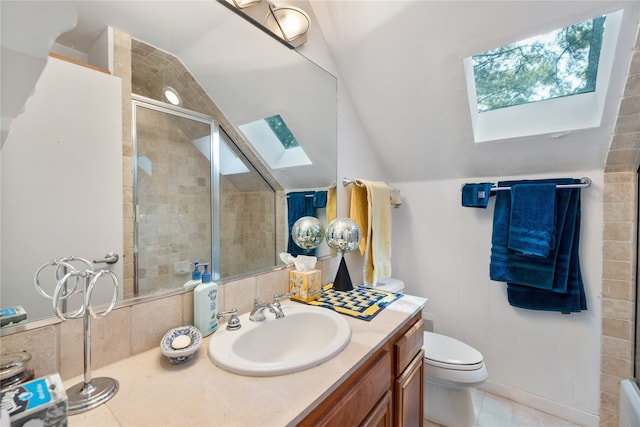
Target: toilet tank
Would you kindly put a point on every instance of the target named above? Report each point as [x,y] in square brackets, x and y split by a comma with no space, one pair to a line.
[391,285]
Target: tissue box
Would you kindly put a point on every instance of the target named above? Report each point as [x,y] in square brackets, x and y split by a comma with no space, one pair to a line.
[13,315]
[42,401]
[305,286]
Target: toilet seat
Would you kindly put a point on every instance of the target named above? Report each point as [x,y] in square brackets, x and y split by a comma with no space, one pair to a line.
[449,353]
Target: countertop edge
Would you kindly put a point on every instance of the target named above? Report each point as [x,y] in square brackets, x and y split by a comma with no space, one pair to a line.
[282,403]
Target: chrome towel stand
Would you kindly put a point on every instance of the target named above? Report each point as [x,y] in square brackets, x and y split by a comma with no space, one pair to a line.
[92,392]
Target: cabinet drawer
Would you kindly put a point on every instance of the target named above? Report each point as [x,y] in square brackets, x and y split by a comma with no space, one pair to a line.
[407,346]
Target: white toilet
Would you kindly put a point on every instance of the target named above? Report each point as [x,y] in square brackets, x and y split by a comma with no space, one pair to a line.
[451,369]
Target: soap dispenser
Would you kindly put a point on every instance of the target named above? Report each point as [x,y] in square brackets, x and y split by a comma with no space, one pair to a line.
[195,277]
[205,304]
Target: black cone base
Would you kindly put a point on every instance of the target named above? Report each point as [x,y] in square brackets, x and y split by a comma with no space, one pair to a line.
[343,280]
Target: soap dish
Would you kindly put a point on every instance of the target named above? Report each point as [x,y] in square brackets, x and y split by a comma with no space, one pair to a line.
[182,355]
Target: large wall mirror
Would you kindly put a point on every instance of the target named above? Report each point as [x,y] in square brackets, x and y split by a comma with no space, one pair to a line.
[78,163]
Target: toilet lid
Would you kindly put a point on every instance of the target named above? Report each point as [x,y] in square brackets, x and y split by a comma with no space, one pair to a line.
[444,350]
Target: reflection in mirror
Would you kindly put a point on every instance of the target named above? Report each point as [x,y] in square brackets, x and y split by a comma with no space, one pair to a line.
[172,196]
[194,197]
[70,201]
[207,195]
[248,215]
[61,181]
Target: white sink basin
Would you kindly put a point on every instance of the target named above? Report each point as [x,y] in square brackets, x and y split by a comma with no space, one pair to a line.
[306,337]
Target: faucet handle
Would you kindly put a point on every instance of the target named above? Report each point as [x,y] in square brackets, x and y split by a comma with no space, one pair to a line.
[276,298]
[234,322]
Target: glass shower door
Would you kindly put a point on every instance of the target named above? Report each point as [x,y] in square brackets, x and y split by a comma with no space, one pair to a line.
[173,187]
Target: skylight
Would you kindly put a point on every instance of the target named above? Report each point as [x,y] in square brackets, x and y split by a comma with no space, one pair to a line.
[553,82]
[281,130]
[275,143]
[559,63]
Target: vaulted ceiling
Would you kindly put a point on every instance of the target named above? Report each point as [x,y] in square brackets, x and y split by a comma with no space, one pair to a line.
[401,62]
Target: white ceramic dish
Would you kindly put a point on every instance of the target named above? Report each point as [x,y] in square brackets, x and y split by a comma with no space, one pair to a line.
[179,356]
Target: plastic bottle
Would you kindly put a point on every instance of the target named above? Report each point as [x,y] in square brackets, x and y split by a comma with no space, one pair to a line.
[195,274]
[196,277]
[205,304]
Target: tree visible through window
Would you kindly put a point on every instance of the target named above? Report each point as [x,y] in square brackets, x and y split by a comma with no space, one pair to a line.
[560,63]
[281,130]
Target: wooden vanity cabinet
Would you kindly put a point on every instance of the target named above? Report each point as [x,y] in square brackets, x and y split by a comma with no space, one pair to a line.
[385,391]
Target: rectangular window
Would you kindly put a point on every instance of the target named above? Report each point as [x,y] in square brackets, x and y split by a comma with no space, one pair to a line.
[559,63]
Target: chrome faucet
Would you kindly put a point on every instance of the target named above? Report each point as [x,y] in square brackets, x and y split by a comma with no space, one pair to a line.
[257,312]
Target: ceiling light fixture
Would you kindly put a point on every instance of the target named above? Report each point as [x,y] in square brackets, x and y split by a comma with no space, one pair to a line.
[171,95]
[287,24]
[241,4]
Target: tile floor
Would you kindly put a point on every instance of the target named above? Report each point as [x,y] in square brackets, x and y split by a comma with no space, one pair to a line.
[494,411]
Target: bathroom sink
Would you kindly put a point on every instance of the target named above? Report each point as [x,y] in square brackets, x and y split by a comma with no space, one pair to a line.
[306,337]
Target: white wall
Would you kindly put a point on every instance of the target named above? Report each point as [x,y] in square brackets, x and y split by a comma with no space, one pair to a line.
[442,250]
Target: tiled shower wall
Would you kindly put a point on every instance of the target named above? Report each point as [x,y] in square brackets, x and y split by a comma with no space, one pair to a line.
[174,200]
[248,233]
[619,268]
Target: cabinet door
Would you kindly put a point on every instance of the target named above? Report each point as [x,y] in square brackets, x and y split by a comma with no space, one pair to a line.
[408,346]
[409,389]
[382,413]
[357,397]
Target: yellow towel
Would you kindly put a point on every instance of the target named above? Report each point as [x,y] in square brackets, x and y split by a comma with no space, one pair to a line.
[332,210]
[370,209]
[331,204]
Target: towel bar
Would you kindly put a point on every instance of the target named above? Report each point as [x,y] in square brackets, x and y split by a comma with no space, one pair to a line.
[585,182]
[394,192]
[347,181]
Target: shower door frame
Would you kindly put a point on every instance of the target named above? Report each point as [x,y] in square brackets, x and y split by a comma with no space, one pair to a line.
[162,107]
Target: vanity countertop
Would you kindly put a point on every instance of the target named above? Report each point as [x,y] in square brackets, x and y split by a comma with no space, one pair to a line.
[154,392]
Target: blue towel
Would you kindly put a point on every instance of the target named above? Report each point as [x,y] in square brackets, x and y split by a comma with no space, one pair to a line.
[299,204]
[319,199]
[532,223]
[553,283]
[574,300]
[512,267]
[476,195]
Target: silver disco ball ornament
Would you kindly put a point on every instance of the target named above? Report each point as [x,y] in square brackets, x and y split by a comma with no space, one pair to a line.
[343,235]
[307,232]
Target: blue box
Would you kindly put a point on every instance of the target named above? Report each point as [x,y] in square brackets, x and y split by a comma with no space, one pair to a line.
[42,401]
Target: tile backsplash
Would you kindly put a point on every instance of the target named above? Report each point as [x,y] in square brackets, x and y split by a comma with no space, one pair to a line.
[132,329]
